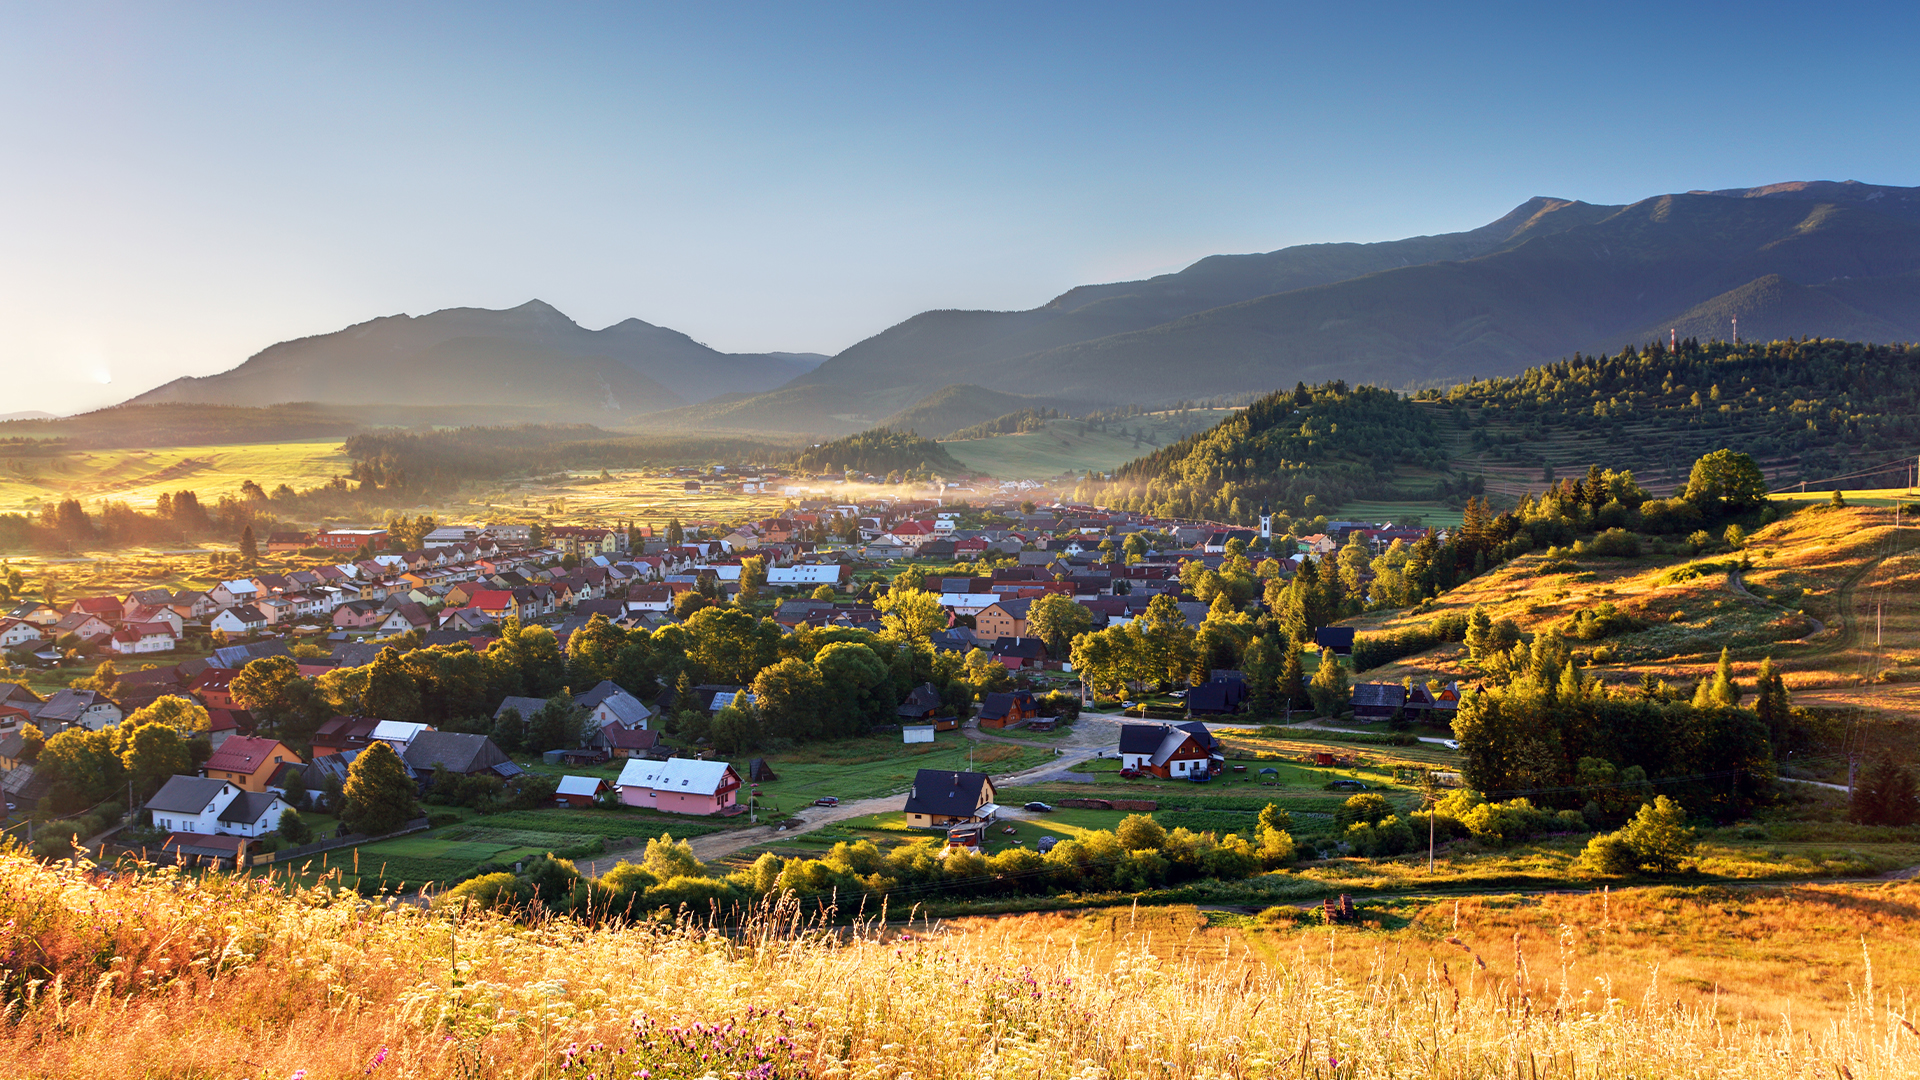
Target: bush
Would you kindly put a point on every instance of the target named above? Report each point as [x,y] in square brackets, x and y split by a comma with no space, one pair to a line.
[1654,842]
[1613,543]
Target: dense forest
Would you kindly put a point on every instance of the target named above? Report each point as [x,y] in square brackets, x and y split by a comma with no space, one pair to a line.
[1010,424]
[1806,409]
[884,452]
[1305,449]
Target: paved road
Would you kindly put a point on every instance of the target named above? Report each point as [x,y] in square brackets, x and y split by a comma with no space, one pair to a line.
[1812,783]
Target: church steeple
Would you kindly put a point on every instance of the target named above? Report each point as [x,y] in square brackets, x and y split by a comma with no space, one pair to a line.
[1266,520]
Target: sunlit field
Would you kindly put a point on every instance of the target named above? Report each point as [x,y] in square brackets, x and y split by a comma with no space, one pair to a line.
[137,477]
[161,975]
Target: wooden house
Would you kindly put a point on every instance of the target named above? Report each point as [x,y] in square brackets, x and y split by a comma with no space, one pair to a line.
[940,798]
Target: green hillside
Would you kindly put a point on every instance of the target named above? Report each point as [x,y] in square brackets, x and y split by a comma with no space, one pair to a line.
[1078,446]
[951,408]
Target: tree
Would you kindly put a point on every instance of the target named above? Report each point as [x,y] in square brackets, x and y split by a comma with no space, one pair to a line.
[730,645]
[391,692]
[985,674]
[789,697]
[1721,691]
[1293,677]
[272,689]
[1773,706]
[857,686]
[1139,832]
[150,753]
[1275,816]
[911,614]
[82,767]
[32,741]
[184,717]
[378,796]
[249,547]
[1165,640]
[1885,795]
[1726,481]
[510,731]
[676,534]
[824,592]
[735,729]
[1329,687]
[753,577]
[687,603]
[555,726]
[294,828]
[1057,620]
[104,679]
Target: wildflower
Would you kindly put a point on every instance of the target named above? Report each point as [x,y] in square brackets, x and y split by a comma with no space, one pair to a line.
[299,1074]
[379,1059]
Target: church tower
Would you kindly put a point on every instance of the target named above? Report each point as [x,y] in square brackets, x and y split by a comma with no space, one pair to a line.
[1266,520]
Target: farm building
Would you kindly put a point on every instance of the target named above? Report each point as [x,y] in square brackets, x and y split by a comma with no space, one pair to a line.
[1170,751]
[940,797]
[579,791]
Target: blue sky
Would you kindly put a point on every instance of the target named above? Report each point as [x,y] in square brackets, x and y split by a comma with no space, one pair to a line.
[182,185]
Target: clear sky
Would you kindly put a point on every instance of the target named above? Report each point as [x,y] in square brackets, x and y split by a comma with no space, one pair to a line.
[184,184]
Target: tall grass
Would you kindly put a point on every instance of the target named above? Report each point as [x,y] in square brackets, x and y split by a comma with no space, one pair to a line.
[159,974]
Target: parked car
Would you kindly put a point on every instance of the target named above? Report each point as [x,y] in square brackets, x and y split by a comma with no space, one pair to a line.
[1129,774]
[1450,744]
[1040,808]
[827,800]
[1347,785]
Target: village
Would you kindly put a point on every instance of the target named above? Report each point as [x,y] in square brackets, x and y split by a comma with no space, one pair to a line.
[336,599]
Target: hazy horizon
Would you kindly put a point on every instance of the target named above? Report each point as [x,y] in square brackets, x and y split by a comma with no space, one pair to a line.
[193,185]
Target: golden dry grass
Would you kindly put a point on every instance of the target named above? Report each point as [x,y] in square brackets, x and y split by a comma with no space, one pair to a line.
[1834,567]
[156,975]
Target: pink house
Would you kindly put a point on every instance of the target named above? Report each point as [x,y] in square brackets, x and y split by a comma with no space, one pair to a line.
[680,786]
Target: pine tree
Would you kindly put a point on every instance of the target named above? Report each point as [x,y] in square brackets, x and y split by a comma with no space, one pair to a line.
[1293,677]
[249,547]
[1774,706]
[1329,687]
[1721,691]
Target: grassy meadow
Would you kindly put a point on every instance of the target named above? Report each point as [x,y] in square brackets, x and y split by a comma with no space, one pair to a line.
[1815,584]
[1066,446]
[137,477]
[160,974]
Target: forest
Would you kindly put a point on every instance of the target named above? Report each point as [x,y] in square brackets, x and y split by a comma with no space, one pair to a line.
[882,452]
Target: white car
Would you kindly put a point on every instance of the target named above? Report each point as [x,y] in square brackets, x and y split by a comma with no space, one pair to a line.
[1450,744]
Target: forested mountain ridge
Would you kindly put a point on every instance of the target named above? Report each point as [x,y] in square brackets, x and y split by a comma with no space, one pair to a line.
[1805,410]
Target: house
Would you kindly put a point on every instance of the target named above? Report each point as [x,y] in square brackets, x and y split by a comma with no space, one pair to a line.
[940,798]
[344,734]
[229,594]
[1170,751]
[526,706]
[1337,638]
[1217,696]
[203,806]
[89,709]
[759,772]
[1002,618]
[17,632]
[161,614]
[620,741]
[1378,701]
[457,753]
[193,604]
[132,640]
[467,620]
[921,703]
[351,539]
[41,615]
[579,791]
[809,575]
[244,619]
[399,734]
[81,624]
[406,617]
[224,724]
[607,704]
[1008,709]
[1017,653]
[248,762]
[358,615]
[1435,707]
[680,785]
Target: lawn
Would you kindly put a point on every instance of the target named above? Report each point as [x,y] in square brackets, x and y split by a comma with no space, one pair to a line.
[1430,514]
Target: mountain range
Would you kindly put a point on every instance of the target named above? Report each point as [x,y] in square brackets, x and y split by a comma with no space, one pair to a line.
[1550,278]
[524,358]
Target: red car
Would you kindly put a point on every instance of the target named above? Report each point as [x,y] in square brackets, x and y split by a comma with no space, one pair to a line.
[1129,774]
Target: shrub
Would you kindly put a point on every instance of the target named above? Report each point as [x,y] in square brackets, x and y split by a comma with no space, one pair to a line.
[1613,543]
[1654,842]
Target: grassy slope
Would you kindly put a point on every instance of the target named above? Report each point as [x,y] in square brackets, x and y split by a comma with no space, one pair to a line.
[1831,567]
[138,476]
[1062,446]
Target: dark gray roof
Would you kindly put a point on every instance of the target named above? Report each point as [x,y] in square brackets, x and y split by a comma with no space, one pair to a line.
[459,752]
[949,794]
[527,706]
[186,794]
[248,806]
[1379,695]
[236,656]
[996,706]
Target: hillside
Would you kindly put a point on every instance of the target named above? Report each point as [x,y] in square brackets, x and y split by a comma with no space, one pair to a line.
[529,356]
[1078,446]
[951,408]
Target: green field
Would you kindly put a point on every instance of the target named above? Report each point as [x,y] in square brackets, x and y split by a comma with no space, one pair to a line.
[1063,445]
[648,499]
[138,476]
[1433,514]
